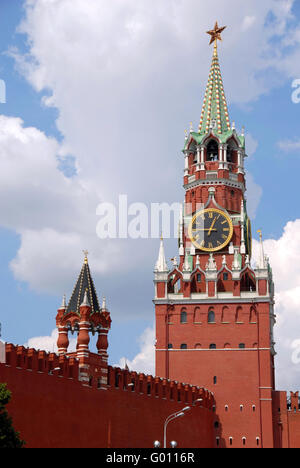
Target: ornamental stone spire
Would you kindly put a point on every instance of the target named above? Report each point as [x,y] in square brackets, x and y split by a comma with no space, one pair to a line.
[161,264]
[262,260]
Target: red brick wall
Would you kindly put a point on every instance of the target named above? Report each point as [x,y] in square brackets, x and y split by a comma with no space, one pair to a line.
[286,421]
[52,411]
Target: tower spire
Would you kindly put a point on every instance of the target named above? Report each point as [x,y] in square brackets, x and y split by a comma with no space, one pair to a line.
[262,262]
[161,264]
[215,111]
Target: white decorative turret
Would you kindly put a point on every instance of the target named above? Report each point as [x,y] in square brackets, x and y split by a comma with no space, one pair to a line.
[262,259]
[243,245]
[181,226]
[86,300]
[211,265]
[64,303]
[161,264]
[186,269]
[104,303]
[211,269]
[186,265]
[236,261]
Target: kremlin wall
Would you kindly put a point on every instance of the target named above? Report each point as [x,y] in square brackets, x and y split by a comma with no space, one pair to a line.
[52,408]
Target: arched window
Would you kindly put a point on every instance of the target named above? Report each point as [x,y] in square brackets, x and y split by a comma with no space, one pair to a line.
[213,346]
[239,315]
[225,315]
[252,315]
[231,152]
[211,317]
[183,316]
[183,346]
[212,151]
[242,346]
[248,283]
[197,317]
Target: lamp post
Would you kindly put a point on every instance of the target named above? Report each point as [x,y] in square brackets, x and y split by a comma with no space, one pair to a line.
[170,418]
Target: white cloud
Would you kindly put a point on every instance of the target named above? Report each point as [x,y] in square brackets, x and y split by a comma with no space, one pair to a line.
[49,343]
[144,361]
[284,255]
[289,146]
[248,22]
[251,144]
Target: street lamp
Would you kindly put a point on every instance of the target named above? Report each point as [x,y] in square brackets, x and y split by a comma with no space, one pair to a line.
[170,418]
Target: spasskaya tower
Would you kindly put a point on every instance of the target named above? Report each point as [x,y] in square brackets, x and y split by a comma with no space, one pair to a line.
[214,310]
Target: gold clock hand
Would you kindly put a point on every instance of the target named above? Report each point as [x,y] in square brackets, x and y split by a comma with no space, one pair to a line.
[211,227]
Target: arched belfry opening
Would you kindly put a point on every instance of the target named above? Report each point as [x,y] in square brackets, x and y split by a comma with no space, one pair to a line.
[212,151]
[232,148]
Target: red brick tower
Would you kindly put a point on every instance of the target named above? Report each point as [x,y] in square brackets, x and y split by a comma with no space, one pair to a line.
[214,311]
[83,316]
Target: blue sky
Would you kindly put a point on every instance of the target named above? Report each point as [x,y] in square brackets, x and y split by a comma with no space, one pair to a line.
[150,106]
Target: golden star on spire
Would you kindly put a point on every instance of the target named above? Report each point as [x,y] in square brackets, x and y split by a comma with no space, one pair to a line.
[216,33]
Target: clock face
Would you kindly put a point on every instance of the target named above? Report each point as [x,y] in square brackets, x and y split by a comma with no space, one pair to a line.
[211,230]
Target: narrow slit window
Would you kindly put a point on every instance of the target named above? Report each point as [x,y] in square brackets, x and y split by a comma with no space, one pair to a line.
[211,317]
[183,317]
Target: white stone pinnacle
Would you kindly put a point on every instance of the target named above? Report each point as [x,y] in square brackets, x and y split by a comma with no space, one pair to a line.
[86,300]
[161,264]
